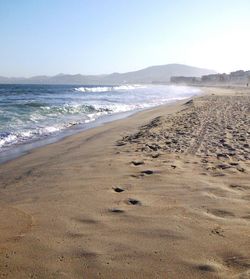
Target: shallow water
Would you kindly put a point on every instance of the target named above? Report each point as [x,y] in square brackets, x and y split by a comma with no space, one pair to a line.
[32,112]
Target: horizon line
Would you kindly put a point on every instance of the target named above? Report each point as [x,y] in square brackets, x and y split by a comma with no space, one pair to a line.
[104,74]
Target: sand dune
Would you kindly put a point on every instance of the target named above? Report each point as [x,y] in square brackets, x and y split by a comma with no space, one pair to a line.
[162,194]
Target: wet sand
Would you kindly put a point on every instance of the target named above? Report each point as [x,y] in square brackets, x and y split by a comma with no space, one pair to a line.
[162,194]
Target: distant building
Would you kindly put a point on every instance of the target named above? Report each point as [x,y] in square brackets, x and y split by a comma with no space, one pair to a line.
[237,77]
[184,80]
[215,78]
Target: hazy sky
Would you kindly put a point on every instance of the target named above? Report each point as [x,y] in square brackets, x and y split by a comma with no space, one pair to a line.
[103,36]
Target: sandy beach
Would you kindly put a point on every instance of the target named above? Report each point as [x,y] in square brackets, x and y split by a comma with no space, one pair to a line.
[162,194]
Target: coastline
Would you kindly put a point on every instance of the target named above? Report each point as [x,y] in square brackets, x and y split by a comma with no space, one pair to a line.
[49,113]
[23,149]
[174,215]
[14,152]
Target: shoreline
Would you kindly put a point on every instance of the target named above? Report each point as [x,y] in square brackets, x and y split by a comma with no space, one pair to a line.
[17,151]
[153,195]
[23,149]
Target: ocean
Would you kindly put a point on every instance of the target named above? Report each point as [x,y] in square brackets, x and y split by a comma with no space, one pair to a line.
[32,113]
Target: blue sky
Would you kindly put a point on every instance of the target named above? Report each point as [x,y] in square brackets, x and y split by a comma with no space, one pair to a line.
[104,36]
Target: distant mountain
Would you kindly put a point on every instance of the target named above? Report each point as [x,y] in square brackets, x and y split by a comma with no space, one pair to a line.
[154,74]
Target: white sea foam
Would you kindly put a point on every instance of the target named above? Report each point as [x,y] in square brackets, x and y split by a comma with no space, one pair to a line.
[50,129]
[49,114]
[93,89]
[7,140]
[109,88]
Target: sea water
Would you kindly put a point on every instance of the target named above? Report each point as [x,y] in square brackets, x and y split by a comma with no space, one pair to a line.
[30,113]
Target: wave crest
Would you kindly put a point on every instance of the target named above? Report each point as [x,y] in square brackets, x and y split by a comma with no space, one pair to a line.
[108,88]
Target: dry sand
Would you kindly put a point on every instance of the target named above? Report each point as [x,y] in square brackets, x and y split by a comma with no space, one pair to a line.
[162,194]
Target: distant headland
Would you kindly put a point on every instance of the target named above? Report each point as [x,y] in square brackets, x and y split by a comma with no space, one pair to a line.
[153,74]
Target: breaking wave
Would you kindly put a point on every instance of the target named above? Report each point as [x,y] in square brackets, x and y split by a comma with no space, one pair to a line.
[108,88]
[32,112]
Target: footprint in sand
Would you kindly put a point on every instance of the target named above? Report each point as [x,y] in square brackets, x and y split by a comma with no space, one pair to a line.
[118,190]
[246,217]
[217,174]
[116,210]
[82,253]
[148,172]
[75,235]
[247,198]
[136,175]
[86,221]
[238,187]
[218,231]
[207,268]
[14,224]
[137,162]
[223,166]
[133,202]
[221,213]
[155,155]
[237,261]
